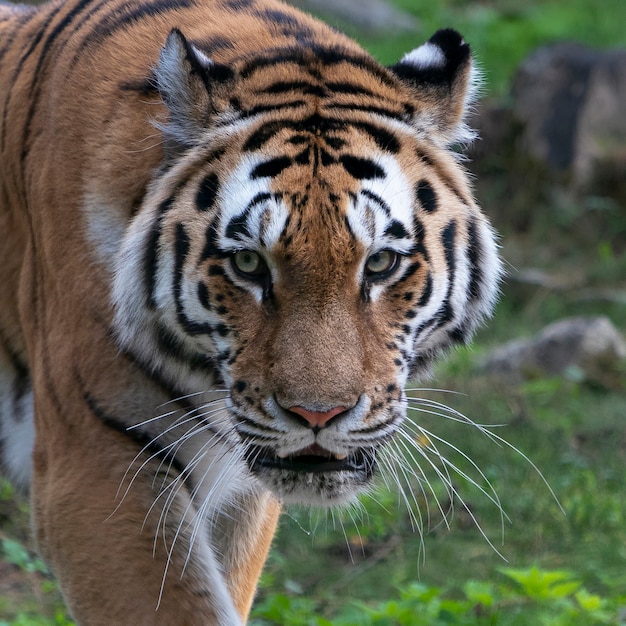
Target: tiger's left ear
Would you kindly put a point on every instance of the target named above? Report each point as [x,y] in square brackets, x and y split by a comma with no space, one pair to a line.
[444,82]
[193,87]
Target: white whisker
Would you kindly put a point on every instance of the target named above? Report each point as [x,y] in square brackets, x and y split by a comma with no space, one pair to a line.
[491,494]
[445,481]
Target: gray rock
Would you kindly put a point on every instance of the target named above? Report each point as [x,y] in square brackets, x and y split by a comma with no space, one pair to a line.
[590,345]
[571,102]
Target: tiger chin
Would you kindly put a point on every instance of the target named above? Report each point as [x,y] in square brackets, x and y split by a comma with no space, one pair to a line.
[229,239]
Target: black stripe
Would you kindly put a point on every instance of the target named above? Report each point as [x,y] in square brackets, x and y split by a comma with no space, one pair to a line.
[336,143]
[323,156]
[474,254]
[410,271]
[396,229]
[327,56]
[149,371]
[181,251]
[367,108]
[461,334]
[378,200]
[350,88]
[288,25]
[168,343]
[442,173]
[207,192]
[424,326]
[211,249]
[34,42]
[427,291]
[58,30]
[304,157]
[263,134]
[127,14]
[384,138]
[268,108]
[314,124]
[144,440]
[172,347]
[260,197]
[284,86]
[279,17]
[237,5]
[420,235]
[242,419]
[213,44]
[426,196]
[237,228]
[203,296]
[39,72]
[422,156]
[146,86]
[271,168]
[361,169]
[150,263]
[151,253]
[448,240]
[19,367]
[418,364]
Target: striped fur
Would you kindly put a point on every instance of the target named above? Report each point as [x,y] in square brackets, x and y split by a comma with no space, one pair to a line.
[229,238]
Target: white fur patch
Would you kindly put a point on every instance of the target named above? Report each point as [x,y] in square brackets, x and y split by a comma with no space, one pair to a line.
[266,221]
[370,218]
[104,228]
[427,55]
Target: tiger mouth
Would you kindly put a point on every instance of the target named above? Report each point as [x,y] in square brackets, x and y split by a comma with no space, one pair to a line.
[312,460]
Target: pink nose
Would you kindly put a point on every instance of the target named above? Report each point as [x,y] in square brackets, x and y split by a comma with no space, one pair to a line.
[317,419]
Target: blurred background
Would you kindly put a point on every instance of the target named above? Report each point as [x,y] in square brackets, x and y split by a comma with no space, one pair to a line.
[531,533]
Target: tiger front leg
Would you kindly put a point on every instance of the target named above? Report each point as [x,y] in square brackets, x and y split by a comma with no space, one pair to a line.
[139,563]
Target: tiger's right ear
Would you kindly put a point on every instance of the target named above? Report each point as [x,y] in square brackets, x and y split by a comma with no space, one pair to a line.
[192,86]
[444,82]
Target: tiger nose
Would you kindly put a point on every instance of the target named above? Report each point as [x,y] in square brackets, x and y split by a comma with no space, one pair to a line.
[317,419]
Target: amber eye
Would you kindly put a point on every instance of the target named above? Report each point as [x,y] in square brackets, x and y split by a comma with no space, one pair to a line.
[380,264]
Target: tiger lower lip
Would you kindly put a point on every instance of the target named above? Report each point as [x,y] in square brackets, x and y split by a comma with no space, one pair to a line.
[313,459]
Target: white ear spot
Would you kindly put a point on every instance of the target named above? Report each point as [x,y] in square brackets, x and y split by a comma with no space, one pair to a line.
[202,58]
[427,55]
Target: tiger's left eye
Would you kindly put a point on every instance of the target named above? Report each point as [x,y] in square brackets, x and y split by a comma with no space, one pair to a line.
[381,264]
[249,263]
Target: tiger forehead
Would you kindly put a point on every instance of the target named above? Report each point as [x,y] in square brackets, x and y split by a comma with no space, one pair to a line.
[318,76]
[317,220]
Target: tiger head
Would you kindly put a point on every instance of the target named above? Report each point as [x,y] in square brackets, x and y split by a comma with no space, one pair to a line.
[309,243]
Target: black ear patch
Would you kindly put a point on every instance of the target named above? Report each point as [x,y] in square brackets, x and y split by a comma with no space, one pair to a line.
[439,76]
[437,62]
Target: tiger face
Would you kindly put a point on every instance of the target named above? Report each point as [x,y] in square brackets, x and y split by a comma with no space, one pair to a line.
[317,245]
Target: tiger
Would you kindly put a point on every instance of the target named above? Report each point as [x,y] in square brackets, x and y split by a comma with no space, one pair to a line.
[230,237]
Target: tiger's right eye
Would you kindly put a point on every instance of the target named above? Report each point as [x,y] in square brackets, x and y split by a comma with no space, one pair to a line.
[381,264]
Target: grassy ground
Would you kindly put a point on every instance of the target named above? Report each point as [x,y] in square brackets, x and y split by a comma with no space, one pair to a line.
[572,429]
